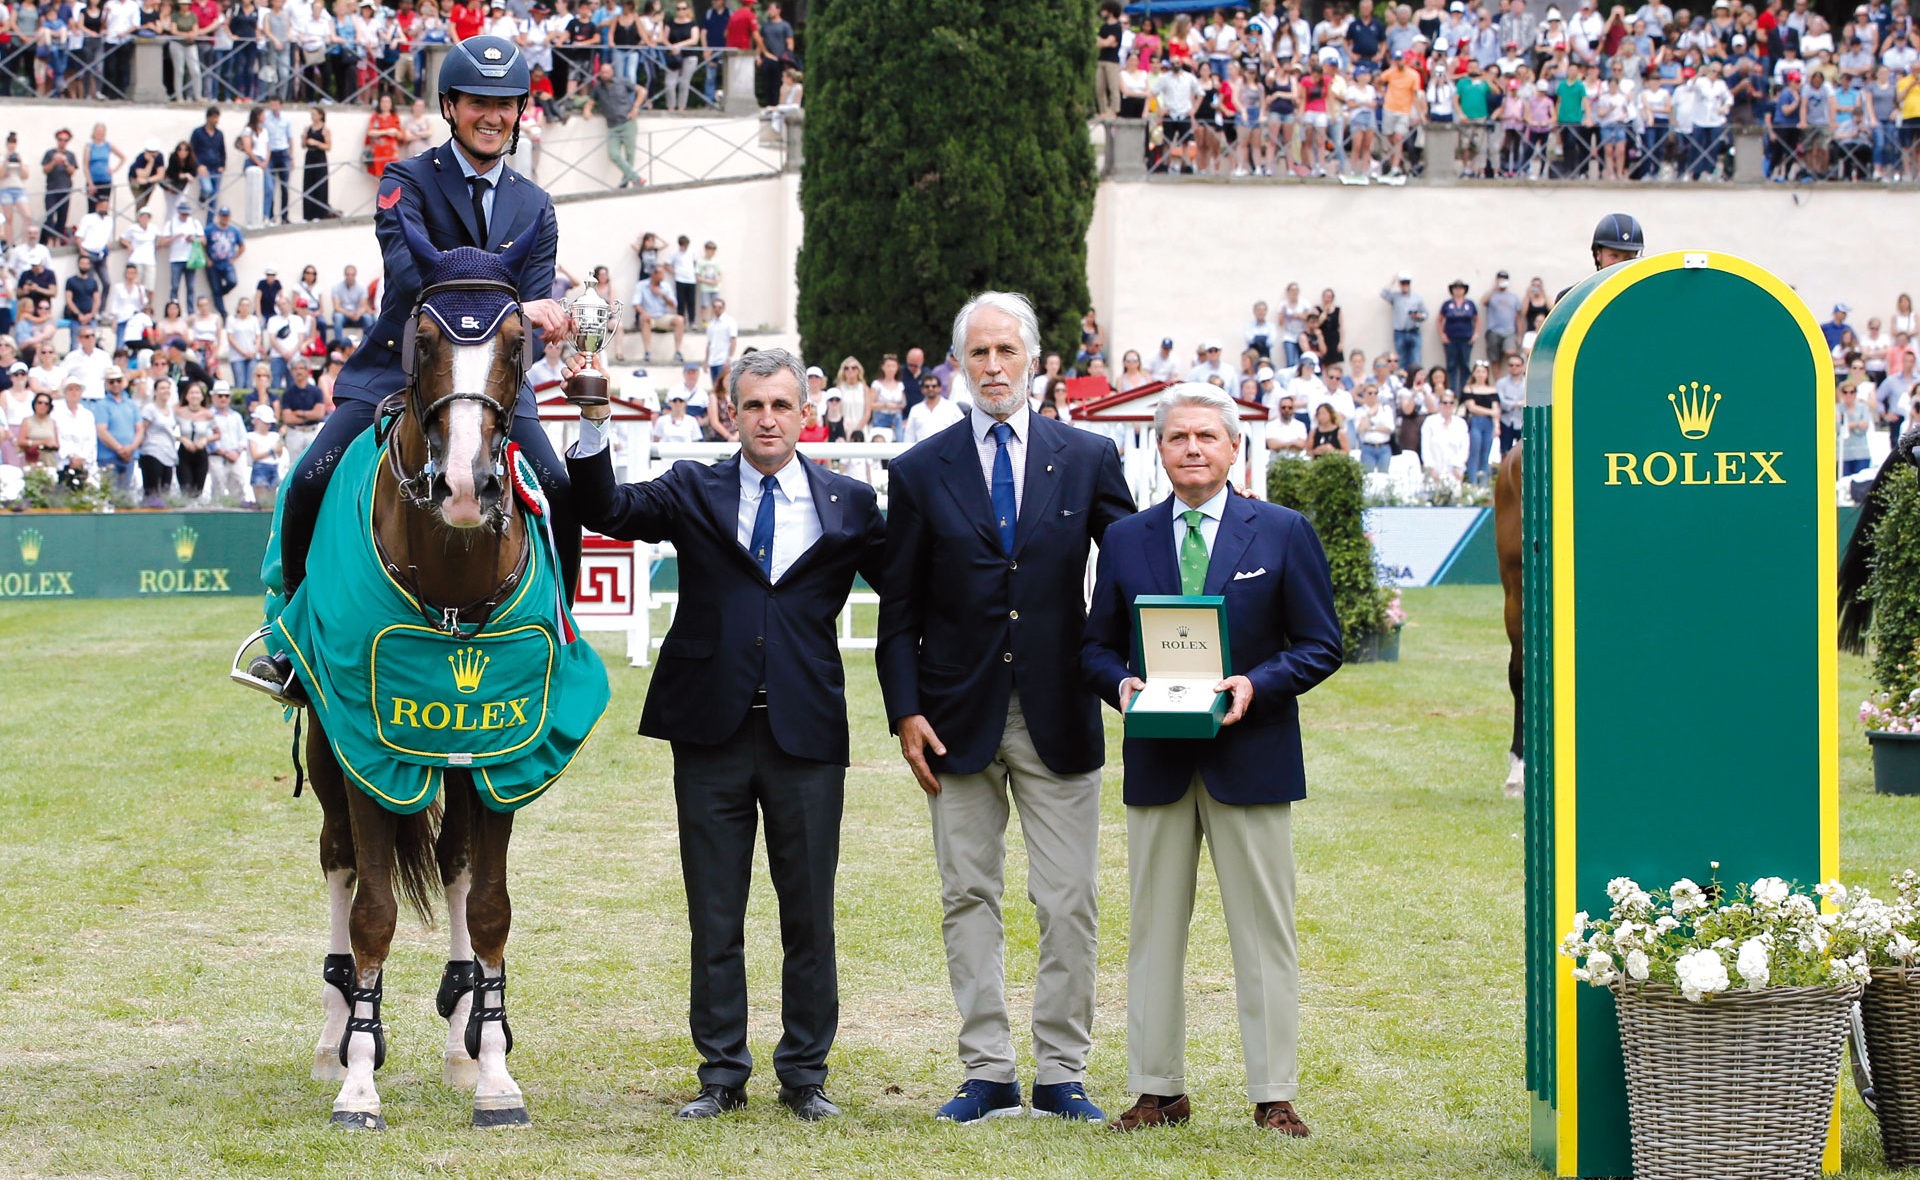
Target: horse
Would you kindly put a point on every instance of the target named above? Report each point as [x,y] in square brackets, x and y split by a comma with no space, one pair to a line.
[1856,609]
[1509,543]
[451,533]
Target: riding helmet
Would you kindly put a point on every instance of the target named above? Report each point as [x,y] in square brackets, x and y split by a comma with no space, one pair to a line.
[489,66]
[1618,231]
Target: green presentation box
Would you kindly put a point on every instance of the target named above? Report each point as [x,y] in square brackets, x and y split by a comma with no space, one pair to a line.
[1182,644]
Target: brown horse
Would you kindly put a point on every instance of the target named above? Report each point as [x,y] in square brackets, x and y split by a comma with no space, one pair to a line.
[447,529]
[1509,543]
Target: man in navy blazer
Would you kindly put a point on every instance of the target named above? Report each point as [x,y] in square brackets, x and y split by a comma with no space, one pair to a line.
[1237,789]
[750,691]
[989,523]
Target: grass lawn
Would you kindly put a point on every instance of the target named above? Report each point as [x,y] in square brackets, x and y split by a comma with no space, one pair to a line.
[165,919]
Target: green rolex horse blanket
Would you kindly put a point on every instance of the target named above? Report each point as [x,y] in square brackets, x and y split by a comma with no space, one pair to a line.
[402,697]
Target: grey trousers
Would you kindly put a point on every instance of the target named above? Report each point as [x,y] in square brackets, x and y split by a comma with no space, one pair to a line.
[1060,819]
[1252,850]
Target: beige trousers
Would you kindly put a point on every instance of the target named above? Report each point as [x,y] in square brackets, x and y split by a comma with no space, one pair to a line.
[1252,850]
[1060,819]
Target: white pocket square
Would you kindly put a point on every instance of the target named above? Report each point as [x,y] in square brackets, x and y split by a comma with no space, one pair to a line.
[1243,575]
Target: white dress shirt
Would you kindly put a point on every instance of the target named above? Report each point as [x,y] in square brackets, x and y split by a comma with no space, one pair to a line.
[796,521]
[982,424]
[1443,444]
[1209,522]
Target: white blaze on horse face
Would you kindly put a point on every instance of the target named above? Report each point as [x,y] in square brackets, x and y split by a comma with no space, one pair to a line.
[472,365]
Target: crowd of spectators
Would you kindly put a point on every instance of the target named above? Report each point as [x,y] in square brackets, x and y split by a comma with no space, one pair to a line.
[154,338]
[1585,91]
[327,51]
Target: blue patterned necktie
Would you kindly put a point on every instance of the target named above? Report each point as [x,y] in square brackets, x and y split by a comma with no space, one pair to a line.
[763,526]
[1004,508]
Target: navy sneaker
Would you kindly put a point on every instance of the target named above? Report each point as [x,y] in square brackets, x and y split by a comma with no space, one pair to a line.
[1065,1100]
[979,1100]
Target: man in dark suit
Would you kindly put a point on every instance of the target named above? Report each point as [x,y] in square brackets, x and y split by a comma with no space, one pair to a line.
[750,691]
[1237,789]
[989,523]
[463,194]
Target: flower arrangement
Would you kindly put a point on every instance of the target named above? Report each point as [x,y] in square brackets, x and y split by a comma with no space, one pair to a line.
[1768,935]
[1896,707]
[1396,613]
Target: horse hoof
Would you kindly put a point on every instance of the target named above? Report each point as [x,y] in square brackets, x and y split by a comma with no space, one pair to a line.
[460,1071]
[512,1116]
[1514,790]
[358,1120]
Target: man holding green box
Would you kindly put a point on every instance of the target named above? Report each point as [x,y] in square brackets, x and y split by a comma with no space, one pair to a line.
[1260,568]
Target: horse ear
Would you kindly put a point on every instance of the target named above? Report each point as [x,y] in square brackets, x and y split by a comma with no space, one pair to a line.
[425,254]
[518,251]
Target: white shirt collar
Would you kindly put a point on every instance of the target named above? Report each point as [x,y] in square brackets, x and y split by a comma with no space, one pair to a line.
[467,170]
[792,479]
[983,422]
[1213,509]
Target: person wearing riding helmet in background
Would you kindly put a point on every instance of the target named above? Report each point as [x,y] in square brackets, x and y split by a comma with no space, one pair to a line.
[461,193]
[1618,238]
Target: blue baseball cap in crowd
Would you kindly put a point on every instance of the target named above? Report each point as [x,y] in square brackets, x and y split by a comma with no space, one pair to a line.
[224,211]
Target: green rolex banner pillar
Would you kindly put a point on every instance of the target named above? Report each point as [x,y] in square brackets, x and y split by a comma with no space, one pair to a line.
[1681,694]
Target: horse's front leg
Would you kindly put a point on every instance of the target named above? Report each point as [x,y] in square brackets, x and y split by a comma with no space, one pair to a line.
[497,1101]
[371,924]
[455,998]
[336,861]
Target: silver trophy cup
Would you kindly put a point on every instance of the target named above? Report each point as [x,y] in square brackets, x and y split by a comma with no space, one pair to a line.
[592,328]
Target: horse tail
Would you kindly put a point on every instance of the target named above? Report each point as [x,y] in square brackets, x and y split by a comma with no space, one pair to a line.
[1856,564]
[416,872]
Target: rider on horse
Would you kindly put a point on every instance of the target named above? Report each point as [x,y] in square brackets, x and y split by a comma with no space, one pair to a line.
[463,194]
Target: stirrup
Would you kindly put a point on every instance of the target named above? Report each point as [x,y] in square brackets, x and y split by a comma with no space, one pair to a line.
[460,977]
[289,692]
[477,1016]
[365,1024]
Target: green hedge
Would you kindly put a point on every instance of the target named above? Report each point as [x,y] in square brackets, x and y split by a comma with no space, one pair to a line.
[1329,492]
[946,153]
[1893,584]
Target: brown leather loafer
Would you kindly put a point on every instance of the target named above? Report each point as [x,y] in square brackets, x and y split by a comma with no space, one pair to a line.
[1153,1110]
[1279,1116]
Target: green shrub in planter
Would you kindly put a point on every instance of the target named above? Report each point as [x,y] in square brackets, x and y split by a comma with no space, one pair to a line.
[1329,492]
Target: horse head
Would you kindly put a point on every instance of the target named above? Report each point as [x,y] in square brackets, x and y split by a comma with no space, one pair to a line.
[467,343]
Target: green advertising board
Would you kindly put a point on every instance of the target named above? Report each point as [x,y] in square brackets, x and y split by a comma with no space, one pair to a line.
[1681,691]
[54,555]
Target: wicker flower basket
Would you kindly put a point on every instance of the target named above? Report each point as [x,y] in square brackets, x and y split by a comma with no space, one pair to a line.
[1890,1014]
[1740,1085]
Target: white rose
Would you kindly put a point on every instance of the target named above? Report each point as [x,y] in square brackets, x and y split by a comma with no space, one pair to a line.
[1600,967]
[1753,964]
[1701,973]
[1637,965]
[1771,892]
[1902,948]
[1686,897]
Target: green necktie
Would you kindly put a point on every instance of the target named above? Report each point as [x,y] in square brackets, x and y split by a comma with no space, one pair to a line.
[1193,554]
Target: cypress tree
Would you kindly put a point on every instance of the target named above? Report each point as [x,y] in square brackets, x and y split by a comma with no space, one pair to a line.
[946,152]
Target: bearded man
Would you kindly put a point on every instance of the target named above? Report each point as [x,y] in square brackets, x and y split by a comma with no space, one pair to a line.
[988,529]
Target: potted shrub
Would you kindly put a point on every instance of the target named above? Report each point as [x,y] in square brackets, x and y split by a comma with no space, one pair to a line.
[1330,491]
[1892,719]
[1890,1009]
[1733,1017]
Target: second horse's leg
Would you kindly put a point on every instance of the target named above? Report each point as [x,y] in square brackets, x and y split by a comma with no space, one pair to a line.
[375,910]
[497,1101]
[457,981]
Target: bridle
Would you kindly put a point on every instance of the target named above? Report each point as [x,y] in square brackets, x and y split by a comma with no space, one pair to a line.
[415,489]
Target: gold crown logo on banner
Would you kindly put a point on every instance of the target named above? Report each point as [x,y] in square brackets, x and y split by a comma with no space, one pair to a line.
[1693,409]
[469,664]
[30,542]
[184,539]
